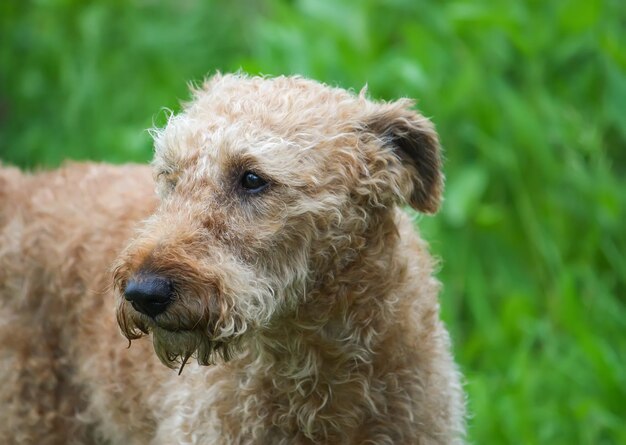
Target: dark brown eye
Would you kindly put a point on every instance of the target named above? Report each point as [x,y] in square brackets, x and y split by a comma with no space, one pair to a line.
[169,180]
[253,183]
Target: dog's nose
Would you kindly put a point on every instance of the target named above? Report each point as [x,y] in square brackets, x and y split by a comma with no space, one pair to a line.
[149,294]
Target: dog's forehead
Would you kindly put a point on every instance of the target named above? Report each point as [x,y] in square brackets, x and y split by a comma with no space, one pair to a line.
[281,118]
[286,107]
[210,146]
[256,97]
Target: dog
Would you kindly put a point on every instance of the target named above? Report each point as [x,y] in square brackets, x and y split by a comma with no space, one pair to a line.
[273,273]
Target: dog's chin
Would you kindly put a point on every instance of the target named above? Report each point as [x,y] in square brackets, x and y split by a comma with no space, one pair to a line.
[176,342]
[175,348]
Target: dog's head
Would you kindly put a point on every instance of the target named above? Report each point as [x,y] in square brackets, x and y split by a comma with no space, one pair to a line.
[268,187]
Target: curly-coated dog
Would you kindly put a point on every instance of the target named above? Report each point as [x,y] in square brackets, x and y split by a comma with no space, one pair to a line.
[272,272]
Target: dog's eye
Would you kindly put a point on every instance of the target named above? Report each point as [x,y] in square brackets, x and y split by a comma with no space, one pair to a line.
[169,180]
[252,182]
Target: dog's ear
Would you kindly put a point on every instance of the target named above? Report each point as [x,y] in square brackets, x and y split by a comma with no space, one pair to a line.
[413,140]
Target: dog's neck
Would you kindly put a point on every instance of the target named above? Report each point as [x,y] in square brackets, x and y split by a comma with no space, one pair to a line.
[322,356]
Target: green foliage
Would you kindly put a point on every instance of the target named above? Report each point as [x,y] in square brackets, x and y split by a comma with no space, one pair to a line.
[529,99]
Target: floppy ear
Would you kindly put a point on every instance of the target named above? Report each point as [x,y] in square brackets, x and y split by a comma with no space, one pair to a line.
[413,140]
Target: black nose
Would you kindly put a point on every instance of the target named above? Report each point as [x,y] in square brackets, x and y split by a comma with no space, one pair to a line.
[149,294]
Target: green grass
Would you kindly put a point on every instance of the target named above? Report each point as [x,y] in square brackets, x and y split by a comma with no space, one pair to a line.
[529,99]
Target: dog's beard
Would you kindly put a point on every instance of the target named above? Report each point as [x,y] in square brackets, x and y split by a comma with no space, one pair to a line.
[174,349]
[209,342]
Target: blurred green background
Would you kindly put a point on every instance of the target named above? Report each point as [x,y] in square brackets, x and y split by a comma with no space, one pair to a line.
[529,99]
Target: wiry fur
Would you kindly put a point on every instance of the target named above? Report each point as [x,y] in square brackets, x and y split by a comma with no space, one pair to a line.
[312,301]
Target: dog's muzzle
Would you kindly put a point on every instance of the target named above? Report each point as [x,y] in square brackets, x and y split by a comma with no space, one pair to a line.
[149,294]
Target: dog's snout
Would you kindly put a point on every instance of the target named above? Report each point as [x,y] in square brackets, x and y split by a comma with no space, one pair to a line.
[149,294]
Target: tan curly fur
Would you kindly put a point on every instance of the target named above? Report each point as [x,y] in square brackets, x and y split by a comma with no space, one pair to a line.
[305,313]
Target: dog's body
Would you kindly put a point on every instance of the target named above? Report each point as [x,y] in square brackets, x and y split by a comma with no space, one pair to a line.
[275,250]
